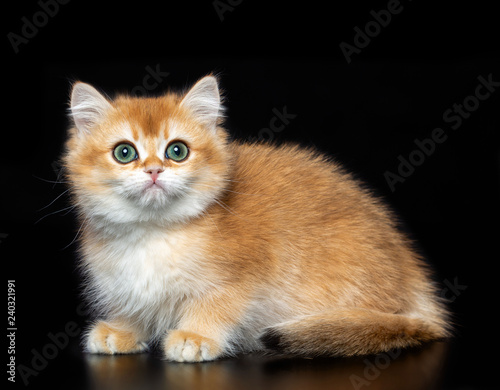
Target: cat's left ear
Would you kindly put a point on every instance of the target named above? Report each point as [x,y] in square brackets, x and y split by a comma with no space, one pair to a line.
[88,106]
[204,101]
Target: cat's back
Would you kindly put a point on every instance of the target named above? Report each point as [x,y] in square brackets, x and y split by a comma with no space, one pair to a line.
[297,194]
[295,180]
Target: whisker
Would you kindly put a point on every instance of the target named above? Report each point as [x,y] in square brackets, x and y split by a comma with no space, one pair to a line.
[50,181]
[55,212]
[205,214]
[67,212]
[232,180]
[61,194]
[77,234]
[59,172]
[226,207]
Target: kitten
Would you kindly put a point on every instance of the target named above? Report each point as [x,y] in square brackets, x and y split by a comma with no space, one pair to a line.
[216,247]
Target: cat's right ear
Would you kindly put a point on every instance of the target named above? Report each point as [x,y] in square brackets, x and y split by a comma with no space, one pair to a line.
[204,101]
[87,106]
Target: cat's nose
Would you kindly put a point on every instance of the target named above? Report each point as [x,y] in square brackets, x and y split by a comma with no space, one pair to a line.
[154,172]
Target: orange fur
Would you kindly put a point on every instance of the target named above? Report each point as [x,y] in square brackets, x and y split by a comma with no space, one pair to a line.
[194,347]
[112,338]
[273,246]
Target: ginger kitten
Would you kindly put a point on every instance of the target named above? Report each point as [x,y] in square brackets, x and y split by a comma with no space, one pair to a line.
[215,247]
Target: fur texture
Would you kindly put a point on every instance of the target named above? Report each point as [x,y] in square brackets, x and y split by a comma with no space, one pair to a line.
[238,247]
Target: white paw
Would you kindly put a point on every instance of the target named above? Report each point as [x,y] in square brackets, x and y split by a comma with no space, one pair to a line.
[181,346]
[104,338]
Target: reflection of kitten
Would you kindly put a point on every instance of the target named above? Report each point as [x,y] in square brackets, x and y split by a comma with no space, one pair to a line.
[216,247]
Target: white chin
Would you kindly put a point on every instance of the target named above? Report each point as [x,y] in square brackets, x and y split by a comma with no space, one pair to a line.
[154,196]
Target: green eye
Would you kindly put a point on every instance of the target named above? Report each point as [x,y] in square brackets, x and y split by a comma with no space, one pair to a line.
[125,153]
[177,151]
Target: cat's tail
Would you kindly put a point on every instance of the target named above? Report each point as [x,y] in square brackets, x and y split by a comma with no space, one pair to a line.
[348,332]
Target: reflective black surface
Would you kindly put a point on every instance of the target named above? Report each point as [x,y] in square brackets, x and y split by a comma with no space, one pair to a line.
[430,367]
[423,368]
[410,370]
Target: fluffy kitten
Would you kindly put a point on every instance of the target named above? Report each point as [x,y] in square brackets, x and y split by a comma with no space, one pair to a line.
[217,247]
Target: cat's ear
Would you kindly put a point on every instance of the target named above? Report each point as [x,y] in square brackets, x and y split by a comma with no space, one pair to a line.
[87,106]
[204,101]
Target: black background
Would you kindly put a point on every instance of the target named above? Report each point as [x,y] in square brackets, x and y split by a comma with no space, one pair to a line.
[365,113]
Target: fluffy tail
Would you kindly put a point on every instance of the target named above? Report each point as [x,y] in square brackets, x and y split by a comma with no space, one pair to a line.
[349,332]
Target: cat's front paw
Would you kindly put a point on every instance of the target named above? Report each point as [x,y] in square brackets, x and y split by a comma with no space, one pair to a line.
[182,346]
[111,339]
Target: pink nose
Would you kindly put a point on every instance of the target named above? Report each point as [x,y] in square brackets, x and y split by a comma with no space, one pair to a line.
[154,172]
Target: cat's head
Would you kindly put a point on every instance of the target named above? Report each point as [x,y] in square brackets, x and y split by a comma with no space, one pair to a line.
[132,159]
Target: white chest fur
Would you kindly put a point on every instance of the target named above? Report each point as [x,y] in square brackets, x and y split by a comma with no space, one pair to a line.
[145,275]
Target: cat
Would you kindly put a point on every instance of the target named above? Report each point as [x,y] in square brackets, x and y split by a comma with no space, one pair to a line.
[210,247]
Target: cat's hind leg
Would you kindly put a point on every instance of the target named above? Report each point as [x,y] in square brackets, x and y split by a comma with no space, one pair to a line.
[348,332]
[113,338]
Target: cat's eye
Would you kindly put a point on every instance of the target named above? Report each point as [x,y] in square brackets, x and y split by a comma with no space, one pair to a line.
[124,153]
[177,151]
